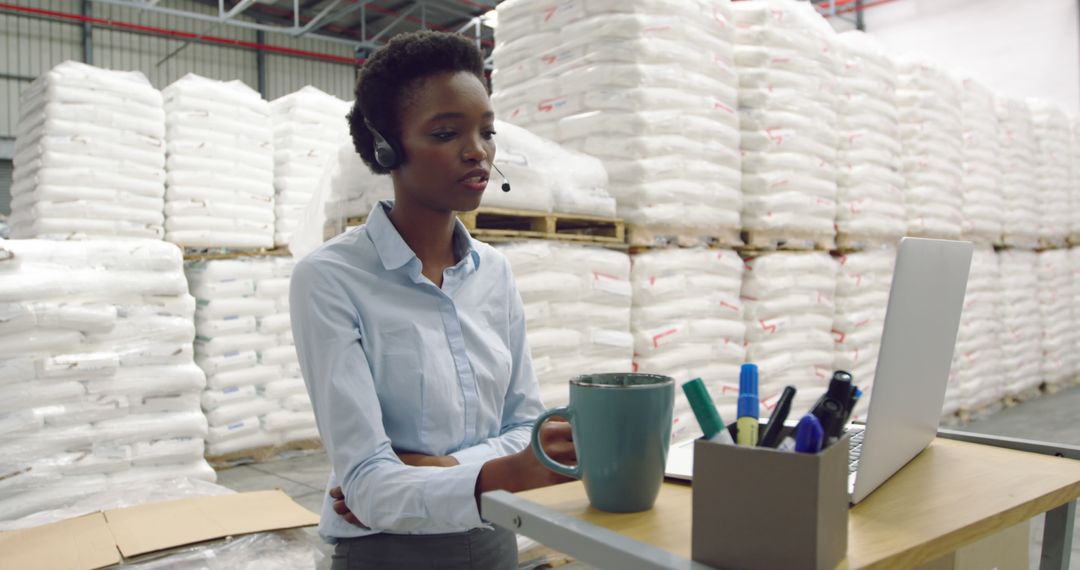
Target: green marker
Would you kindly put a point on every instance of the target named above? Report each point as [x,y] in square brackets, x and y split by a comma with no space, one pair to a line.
[705,411]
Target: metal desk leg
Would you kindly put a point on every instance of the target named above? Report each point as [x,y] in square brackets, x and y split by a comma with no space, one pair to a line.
[1058,537]
[586,542]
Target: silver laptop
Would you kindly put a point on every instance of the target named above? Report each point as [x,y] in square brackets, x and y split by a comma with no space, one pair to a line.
[921,322]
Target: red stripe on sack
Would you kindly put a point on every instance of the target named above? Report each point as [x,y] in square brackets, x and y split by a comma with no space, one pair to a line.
[656,338]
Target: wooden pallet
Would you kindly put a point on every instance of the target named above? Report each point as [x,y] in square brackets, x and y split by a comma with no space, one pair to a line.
[1013,242]
[846,243]
[1049,244]
[499,224]
[641,238]
[762,242]
[487,223]
[262,454]
[1013,400]
[213,254]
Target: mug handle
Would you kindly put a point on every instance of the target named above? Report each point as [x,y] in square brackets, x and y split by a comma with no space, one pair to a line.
[538,450]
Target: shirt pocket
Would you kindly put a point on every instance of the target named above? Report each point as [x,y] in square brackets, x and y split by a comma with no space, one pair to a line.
[399,379]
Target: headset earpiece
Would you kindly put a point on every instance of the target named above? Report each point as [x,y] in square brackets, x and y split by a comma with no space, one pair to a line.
[385,153]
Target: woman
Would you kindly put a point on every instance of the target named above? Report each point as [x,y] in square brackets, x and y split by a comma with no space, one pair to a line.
[411,335]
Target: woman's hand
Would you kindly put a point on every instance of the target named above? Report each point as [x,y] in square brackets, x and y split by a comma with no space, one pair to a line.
[342,509]
[558,441]
[523,471]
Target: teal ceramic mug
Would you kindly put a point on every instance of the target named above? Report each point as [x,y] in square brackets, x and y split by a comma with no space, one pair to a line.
[621,425]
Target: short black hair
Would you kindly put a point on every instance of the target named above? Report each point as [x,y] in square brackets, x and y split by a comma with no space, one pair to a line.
[392,70]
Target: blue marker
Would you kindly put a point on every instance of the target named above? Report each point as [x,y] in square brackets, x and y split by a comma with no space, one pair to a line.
[809,435]
[748,409]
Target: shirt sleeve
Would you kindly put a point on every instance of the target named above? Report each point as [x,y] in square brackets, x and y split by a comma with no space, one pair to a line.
[522,404]
[383,493]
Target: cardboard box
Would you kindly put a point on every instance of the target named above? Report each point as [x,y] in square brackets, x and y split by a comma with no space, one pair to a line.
[104,538]
[762,508]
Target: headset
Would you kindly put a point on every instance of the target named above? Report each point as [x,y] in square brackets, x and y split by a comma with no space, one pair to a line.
[386,155]
[389,157]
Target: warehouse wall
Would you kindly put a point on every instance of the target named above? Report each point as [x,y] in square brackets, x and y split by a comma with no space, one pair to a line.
[1022,49]
[31,46]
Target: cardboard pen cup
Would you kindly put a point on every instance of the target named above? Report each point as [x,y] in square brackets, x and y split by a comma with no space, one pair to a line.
[757,507]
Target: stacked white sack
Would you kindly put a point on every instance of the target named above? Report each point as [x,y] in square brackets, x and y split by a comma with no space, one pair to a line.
[1057,341]
[931,116]
[870,197]
[295,421]
[353,189]
[688,323]
[977,378]
[89,156]
[1074,268]
[932,132]
[983,212]
[577,310]
[546,176]
[648,87]
[1019,174]
[862,296]
[787,67]
[789,309]
[244,345]
[1020,342]
[97,384]
[220,166]
[309,128]
[1074,184]
[1053,143]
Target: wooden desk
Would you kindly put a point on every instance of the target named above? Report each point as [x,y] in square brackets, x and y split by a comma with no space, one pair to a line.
[951,495]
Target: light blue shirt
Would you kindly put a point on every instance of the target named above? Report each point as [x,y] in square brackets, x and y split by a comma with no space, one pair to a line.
[393,362]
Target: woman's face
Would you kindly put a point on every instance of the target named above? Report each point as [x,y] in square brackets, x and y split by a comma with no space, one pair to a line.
[447,128]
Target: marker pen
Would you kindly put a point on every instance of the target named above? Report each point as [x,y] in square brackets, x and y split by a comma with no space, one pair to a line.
[747,421]
[809,435]
[771,437]
[705,411]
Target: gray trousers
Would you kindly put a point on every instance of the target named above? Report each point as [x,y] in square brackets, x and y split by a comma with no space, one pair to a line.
[477,549]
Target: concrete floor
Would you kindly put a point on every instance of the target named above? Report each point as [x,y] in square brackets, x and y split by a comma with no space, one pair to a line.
[1048,418]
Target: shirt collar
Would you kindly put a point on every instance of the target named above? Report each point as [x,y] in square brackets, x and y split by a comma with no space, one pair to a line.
[395,253]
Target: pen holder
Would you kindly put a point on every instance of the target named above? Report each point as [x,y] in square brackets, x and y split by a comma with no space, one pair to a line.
[757,507]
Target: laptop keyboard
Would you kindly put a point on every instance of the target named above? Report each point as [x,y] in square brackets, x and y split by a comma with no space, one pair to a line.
[855,449]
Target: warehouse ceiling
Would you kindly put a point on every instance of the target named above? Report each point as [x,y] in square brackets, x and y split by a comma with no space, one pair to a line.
[369,23]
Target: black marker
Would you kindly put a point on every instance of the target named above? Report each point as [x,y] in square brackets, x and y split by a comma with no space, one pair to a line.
[776,420]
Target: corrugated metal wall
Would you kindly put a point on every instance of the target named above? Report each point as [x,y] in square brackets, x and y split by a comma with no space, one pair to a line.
[286,74]
[5,187]
[116,49]
[31,46]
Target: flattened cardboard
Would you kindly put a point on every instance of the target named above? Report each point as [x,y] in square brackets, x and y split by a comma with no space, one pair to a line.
[156,526]
[83,543]
[98,540]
